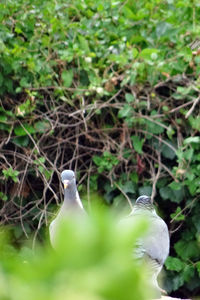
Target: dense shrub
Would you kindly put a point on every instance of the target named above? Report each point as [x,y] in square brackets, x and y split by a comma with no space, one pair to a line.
[110,90]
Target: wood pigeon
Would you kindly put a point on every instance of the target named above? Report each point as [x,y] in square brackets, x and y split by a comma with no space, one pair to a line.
[153,248]
[71,205]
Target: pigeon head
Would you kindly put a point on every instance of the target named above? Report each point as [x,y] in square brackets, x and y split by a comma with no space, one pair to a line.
[144,200]
[68,178]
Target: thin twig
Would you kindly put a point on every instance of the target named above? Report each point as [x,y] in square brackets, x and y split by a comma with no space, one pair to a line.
[125,195]
[192,108]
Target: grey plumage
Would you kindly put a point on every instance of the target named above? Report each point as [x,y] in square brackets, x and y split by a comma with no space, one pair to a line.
[153,248]
[71,205]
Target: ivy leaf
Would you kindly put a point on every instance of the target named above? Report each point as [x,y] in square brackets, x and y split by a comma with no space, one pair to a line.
[3,196]
[42,126]
[177,216]
[128,187]
[126,111]
[188,272]
[195,122]
[177,281]
[3,118]
[67,77]
[172,195]
[21,141]
[134,177]
[153,127]
[168,152]
[175,185]
[11,173]
[174,264]
[129,98]
[187,250]
[137,143]
[192,139]
[145,190]
[166,193]
[22,131]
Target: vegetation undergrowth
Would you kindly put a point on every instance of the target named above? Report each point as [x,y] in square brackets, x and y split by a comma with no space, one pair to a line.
[110,90]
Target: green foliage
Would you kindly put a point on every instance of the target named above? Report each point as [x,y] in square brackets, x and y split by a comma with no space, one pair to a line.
[93,261]
[174,264]
[10,173]
[3,196]
[137,143]
[177,215]
[105,162]
[111,90]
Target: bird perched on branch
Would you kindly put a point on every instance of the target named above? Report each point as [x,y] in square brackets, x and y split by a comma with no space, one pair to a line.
[71,205]
[152,248]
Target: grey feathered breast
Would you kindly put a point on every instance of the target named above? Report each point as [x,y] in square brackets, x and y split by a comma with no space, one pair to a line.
[72,205]
[153,247]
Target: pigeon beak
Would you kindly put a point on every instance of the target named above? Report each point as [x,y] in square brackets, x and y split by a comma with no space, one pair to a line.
[66,184]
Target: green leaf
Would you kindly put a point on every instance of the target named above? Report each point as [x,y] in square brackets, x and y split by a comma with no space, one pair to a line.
[24,82]
[134,52]
[175,185]
[40,161]
[177,281]
[25,108]
[162,29]
[137,143]
[185,90]
[188,154]
[42,126]
[173,195]
[134,177]
[3,196]
[192,139]
[21,141]
[187,250]
[128,187]
[5,127]
[22,131]
[149,53]
[174,264]
[168,152]
[84,44]
[188,272]
[170,132]
[105,162]
[67,77]
[153,127]
[166,193]
[126,111]
[3,118]
[41,169]
[180,216]
[47,174]
[11,173]
[129,98]
[195,122]
[145,190]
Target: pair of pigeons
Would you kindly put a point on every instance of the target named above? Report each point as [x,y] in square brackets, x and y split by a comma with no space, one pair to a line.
[153,247]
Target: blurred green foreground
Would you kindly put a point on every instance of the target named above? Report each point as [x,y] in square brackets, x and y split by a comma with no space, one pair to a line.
[93,262]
